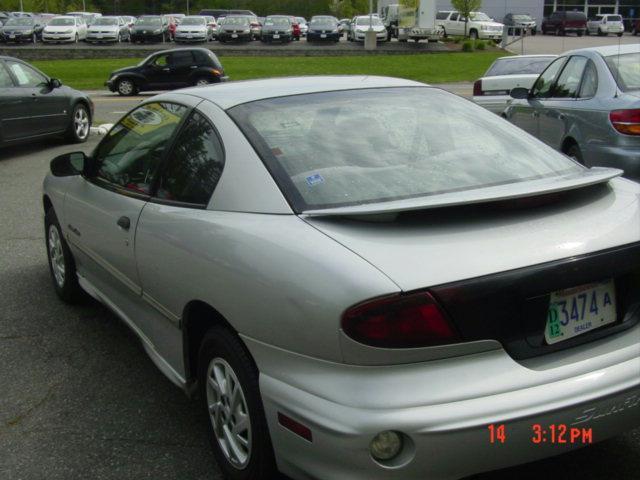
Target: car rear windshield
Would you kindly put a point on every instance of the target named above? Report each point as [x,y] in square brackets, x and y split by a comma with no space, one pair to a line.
[614,18]
[355,147]
[324,20]
[578,16]
[149,21]
[522,18]
[626,70]
[236,21]
[515,66]
[193,21]
[56,22]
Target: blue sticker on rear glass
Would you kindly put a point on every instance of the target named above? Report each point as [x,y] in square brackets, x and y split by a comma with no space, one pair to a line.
[314,179]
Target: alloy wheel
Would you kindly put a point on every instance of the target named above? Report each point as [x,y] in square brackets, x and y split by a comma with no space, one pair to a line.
[81,123]
[125,87]
[228,413]
[202,82]
[56,256]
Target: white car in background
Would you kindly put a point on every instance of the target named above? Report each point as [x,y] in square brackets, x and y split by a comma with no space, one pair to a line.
[65,28]
[605,24]
[362,23]
[480,25]
[506,73]
[195,28]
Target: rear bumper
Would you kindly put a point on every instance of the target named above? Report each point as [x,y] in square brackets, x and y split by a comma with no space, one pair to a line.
[146,38]
[58,38]
[444,404]
[318,37]
[268,37]
[238,36]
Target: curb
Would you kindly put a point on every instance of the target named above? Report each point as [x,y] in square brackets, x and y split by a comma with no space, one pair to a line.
[101,129]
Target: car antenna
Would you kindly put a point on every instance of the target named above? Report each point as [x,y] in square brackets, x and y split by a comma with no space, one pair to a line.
[618,67]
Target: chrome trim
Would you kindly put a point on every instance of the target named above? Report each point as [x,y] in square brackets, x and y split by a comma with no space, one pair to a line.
[172,317]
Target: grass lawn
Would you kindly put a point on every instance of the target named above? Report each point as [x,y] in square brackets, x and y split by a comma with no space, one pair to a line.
[429,68]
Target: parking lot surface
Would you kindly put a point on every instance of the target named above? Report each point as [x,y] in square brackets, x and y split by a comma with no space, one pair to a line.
[541,44]
[82,400]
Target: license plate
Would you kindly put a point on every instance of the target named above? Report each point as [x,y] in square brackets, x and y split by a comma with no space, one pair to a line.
[12,36]
[234,35]
[323,35]
[99,36]
[276,36]
[578,310]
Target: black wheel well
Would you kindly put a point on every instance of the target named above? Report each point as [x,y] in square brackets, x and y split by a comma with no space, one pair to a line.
[197,318]
[46,203]
[568,143]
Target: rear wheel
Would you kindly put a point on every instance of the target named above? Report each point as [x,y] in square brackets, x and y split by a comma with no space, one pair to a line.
[80,124]
[238,433]
[61,264]
[620,34]
[202,81]
[574,152]
[473,34]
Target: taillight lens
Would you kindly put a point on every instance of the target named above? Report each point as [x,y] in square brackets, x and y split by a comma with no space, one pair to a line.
[626,121]
[400,321]
[477,88]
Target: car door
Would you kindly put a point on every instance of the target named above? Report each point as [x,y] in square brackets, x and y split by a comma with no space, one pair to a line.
[10,106]
[181,64]
[525,113]
[102,207]
[557,111]
[42,110]
[169,228]
[158,72]
[452,24]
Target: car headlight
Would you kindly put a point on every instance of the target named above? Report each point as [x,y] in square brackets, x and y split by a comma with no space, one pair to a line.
[28,32]
[248,30]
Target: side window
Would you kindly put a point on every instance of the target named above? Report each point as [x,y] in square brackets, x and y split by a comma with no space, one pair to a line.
[569,80]
[441,15]
[589,81]
[454,17]
[161,60]
[25,75]
[180,58]
[542,87]
[5,78]
[130,154]
[195,164]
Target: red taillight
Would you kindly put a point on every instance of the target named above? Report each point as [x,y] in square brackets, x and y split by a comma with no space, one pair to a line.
[626,121]
[477,88]
[401,321]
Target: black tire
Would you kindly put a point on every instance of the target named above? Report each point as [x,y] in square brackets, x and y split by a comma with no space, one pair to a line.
[580,33]
[34,39]
[68,290]
[473,34]
[77,39]
[220,342]
[79,129]
[620,34]
[574,152]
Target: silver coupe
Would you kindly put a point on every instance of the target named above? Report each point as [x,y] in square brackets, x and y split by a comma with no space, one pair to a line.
[360,277]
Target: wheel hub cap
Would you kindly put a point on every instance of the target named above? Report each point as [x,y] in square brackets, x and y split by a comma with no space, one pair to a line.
[81,123]
[228,413]
[56,255]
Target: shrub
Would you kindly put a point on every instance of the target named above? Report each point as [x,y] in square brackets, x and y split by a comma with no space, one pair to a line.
[480,45]
[467,46]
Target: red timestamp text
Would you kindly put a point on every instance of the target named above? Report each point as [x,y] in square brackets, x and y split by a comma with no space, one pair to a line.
[561,434]
[558,433]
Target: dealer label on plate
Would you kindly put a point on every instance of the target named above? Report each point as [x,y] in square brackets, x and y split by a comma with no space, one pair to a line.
[577,310]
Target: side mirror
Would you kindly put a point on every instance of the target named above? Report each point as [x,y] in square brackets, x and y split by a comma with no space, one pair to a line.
[54,83]
[520,93]
[69,164]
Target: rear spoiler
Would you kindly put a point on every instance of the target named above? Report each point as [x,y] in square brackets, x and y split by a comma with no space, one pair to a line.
[540,186]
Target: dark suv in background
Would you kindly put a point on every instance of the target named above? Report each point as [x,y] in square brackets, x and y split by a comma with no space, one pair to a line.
[561,23]
[168,69]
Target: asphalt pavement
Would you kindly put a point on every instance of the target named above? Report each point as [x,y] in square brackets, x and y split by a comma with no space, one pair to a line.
[79,398]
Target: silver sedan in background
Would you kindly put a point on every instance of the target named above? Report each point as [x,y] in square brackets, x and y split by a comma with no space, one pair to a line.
[586,104]
[359,306]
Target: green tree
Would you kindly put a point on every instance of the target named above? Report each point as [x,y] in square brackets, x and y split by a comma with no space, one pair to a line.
[465,7]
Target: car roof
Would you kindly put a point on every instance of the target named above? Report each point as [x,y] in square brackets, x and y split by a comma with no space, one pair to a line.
[228,95]
[537,55]
[184,49]
[608,50]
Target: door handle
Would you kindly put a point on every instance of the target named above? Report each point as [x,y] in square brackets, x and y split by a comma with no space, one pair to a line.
[124,223]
